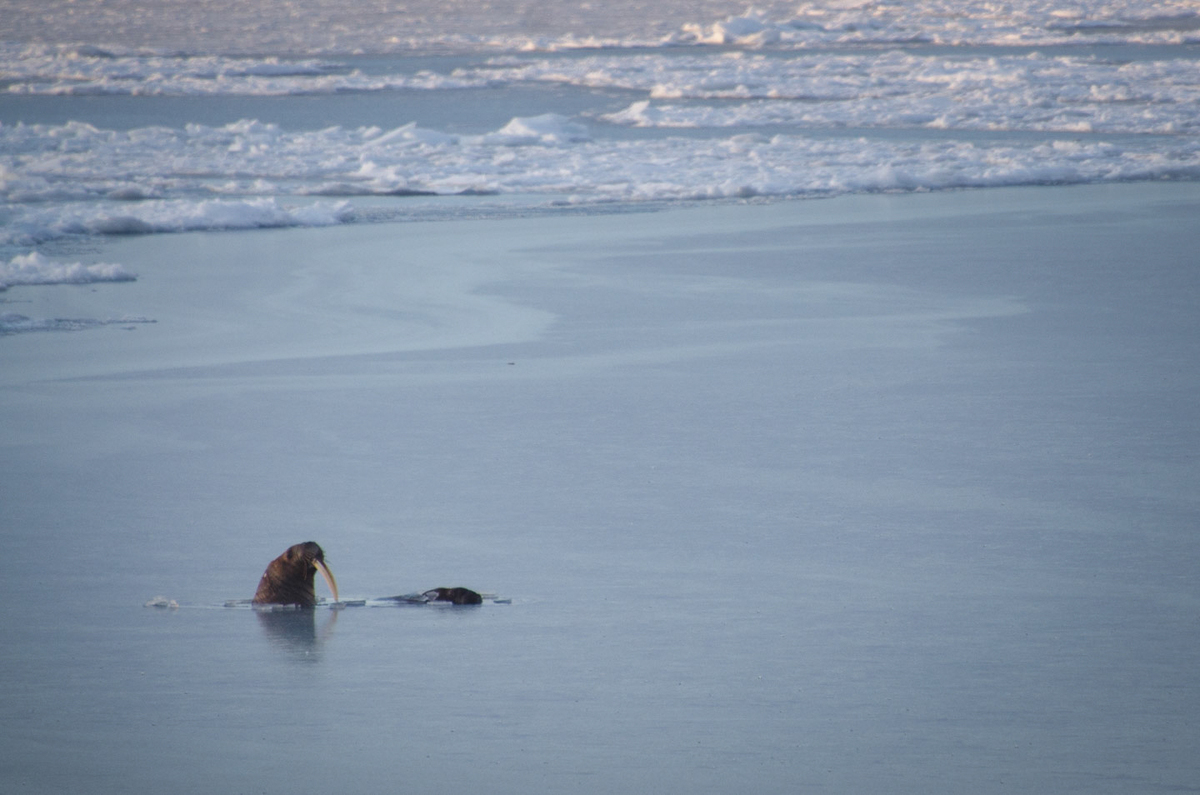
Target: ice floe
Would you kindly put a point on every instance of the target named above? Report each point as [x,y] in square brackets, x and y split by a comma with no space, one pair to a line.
[389,26]
[776,100]
[36,268]
[78,180]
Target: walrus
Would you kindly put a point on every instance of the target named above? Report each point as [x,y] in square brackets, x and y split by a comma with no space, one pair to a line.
[288,579]
[455,596]
[458,596]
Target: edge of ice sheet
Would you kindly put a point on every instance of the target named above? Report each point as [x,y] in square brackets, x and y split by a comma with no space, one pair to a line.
[76,180]
[32,224]
[1001,78]
[35,268]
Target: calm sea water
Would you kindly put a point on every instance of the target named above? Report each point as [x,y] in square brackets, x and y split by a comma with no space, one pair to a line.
[842,496]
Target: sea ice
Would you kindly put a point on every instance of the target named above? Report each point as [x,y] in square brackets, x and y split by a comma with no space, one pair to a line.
[35,268]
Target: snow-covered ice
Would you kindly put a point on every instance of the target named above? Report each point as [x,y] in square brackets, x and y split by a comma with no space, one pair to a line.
[37,269]
[774,101]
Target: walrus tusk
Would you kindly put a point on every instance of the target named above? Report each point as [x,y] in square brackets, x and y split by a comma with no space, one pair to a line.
[328,575]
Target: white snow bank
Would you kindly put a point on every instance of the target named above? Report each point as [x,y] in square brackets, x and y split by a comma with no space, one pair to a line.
[35,268]
[323,26]
[887,89]
[56,70]
[953,22]
[549,128]
[41,222]
[750,29]
[535,162]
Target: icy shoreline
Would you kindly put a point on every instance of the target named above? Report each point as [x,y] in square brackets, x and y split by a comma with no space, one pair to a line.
[75,179]
[742,107]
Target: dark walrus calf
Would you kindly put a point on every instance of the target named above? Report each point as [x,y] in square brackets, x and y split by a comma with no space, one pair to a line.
[458,596]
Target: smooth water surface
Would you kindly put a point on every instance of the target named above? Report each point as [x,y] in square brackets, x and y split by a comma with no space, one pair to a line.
[869,494]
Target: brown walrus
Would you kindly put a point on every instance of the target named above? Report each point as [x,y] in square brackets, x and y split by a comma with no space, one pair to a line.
[458,596]
[455,596]
[288,579]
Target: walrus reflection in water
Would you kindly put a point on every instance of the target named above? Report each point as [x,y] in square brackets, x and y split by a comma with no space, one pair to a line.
[288,579]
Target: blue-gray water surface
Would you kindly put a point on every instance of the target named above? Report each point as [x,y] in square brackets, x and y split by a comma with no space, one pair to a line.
[888,494]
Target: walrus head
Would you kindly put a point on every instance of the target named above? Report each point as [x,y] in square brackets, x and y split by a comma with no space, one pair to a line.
[288,579]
